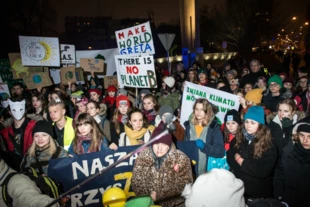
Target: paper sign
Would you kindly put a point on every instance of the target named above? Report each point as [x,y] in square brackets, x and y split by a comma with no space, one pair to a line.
[67,74]
[110,80]
[224,101]
[79,74]
[39,51]
[92,64]
[67,54]
[138,72]
[4,88]
[135,40]
[37,80]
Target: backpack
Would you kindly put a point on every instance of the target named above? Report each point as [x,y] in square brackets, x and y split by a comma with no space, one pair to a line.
[45,184]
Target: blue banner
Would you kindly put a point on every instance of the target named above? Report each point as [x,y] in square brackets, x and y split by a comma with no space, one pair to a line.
[72,171]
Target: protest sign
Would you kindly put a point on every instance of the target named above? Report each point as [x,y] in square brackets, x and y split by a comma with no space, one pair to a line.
[92,64]
[36,80]
[67,54]
[110,80]
[79,75]
[224,101]
[138,72]
[39,51]
[4,89]
[19,71]
[67,74]
[135,40]
[81,167]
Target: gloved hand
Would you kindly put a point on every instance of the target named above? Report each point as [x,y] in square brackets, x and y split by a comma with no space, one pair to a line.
[200,144]
[286,122]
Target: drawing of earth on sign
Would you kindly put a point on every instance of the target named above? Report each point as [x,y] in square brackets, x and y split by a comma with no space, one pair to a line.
[37,79]
[69,75]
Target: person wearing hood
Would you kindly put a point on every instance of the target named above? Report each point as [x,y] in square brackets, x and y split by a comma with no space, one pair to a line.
[282,124]
[169,95]
[274,96]
[162,171]
[291,179]
[218,188]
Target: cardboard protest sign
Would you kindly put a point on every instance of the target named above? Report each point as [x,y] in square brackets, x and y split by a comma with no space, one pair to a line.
[39,51]
[224,101]
[37,80]
[4,89]
[79,75]
[80,167]
[92,64]
[67,54]
[110,80]
[138,72]
[135,40]
[67,74]
[19,71]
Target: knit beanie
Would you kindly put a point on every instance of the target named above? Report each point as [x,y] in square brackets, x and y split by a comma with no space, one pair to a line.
[202,70]
[232,72]
[254,95]
[111,89]
[255,113]
[303,128]
[303,70]
[95,90]
[165,109]
[166,139]
[122,91]
[275,79]
[122,100]
[232,115]
[288,80]
[218,188]
[43,126]
[170,81]
[145,91]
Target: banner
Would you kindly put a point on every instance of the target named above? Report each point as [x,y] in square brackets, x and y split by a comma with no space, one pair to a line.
[37,80]
[138,72]
[78,168]
[224,101]
[67,74]
[110,80]
[67,54]
[135,40]
[39,51]
[92,64]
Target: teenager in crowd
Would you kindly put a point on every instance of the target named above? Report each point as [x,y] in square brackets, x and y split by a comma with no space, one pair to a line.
[150,108]
[81,106]
[70,110]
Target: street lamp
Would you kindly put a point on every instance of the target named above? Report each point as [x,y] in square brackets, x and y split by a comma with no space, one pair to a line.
[294,18]
[306,23]
[282,30]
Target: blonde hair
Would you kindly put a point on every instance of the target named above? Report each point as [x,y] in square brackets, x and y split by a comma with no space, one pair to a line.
[207,108]
[52,148]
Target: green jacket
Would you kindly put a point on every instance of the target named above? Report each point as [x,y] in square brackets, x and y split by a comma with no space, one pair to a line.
[172,100]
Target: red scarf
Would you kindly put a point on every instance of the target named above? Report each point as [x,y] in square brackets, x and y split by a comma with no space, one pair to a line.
[109,100]
[227,144]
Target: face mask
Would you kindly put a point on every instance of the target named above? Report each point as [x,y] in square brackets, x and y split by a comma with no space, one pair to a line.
[17,109]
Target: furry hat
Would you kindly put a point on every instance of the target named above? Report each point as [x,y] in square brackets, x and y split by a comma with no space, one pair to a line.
[217,188]
[170,81]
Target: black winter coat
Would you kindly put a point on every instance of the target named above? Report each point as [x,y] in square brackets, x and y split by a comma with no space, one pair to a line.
[271,102]
[292,178]
[256,174]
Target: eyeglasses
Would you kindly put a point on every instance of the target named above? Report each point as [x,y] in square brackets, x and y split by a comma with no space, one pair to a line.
[273,85]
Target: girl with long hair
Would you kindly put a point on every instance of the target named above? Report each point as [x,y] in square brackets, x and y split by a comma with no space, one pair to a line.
[150,108]
[252,157]
[88,137]
[205,131]
[43,148]
[38,105]
[137,129]
[81,106]
[232,127]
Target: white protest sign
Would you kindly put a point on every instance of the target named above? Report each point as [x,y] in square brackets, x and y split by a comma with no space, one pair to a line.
[137,72]
[67,54]
[4,89]
[39,51]
[224,101]
[135,40]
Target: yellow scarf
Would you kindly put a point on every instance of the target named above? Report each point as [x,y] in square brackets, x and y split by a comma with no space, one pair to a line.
[135,135]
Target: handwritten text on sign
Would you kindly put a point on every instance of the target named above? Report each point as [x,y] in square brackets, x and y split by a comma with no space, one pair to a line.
[136,72]
[135,40]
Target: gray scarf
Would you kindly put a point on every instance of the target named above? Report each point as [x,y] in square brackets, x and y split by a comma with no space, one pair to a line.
[202,163]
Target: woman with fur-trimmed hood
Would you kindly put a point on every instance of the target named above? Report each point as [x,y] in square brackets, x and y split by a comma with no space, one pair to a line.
[292,175]
[162,172]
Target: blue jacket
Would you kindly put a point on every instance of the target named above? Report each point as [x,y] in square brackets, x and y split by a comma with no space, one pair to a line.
[214,145]
[86,145]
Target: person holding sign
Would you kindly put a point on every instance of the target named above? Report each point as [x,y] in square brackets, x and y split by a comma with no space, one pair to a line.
[88,137]
[162,171]
[169,95]
[137,129]
[205,131]
[252,157]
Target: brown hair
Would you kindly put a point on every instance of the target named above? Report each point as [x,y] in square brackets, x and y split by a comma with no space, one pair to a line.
[290,103]
[195,75]
[262,141]
[136,110]
[41,98]
[97,136]
[57,102]
[154,100]
[115,119]
[207,108]
[238,134]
